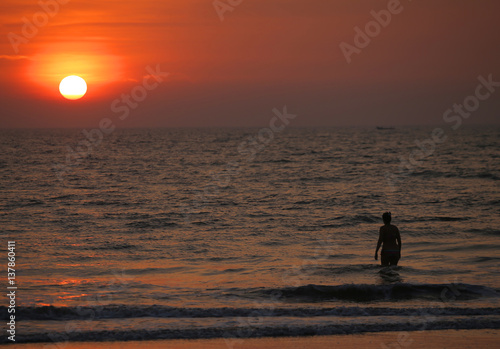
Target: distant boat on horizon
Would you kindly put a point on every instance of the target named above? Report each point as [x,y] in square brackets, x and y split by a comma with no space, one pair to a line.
[384,128]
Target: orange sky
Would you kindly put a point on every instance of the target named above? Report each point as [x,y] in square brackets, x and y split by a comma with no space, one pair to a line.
[265,54]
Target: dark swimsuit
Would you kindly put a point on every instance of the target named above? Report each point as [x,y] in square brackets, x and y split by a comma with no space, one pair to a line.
[389,257]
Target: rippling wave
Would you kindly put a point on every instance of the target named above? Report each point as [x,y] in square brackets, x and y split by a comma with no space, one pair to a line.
[176,234]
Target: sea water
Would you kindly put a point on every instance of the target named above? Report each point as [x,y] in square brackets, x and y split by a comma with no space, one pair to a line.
[197,233]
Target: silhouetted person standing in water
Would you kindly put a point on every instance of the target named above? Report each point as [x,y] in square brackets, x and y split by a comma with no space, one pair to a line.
[390,240]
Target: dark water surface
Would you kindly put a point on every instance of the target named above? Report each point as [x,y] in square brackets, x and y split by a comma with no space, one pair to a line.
[189,234]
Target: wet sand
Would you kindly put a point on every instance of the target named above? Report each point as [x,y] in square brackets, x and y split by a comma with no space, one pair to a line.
[456,339]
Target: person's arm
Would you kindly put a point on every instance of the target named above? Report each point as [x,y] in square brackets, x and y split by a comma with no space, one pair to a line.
[398,237]
[379,243]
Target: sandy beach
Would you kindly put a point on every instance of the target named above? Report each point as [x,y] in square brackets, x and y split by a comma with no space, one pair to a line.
[456,339]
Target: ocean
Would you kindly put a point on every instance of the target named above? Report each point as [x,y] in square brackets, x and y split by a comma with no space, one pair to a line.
[237,233]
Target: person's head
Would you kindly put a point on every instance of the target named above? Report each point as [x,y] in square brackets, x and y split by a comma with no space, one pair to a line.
[386,217]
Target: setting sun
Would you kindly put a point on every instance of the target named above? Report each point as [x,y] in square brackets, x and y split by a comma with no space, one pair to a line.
[73,87]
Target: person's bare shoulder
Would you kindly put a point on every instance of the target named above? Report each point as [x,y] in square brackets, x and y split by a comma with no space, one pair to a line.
[396,230]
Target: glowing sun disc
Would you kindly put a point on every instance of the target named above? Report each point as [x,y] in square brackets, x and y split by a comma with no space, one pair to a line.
[73,87]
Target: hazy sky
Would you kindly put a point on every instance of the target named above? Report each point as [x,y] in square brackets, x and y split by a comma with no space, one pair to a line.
[233,72]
